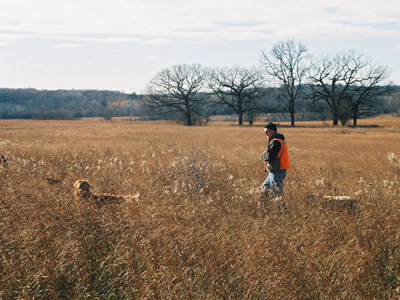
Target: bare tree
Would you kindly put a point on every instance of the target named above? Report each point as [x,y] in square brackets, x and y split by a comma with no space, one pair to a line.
[348,83]
[364,93]
[327,78]
[238,88]
[177,90]
[287,63]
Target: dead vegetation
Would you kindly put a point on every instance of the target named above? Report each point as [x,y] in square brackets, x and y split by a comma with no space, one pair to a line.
[201,229]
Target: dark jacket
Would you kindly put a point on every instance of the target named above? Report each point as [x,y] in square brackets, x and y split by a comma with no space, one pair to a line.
[274,147]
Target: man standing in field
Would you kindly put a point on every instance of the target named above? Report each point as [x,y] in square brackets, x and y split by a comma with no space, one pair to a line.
[276,160]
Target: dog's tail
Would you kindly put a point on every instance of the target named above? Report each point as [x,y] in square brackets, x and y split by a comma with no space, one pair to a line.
[132,198]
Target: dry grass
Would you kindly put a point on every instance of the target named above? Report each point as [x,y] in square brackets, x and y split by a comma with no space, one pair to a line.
[200,229]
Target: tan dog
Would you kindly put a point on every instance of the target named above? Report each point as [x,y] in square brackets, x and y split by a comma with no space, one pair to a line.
[82,192]
[340,203]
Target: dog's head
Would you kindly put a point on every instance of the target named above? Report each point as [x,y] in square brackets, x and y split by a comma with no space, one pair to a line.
[82,189]
[3,159]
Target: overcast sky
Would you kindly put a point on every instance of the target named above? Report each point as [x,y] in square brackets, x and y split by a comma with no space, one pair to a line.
[122,44]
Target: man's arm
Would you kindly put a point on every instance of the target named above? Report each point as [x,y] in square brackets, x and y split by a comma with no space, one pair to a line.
[273,150]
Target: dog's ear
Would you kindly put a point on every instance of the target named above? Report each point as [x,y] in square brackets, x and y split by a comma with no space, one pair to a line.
[76,184]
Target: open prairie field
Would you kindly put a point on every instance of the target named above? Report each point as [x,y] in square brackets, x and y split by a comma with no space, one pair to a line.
[198,227]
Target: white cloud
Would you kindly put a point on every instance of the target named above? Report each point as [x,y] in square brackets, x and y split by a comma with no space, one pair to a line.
[113,40]
[158,41]
[7,39]
[123,51]
[68,45]
[204,40]
[160,22]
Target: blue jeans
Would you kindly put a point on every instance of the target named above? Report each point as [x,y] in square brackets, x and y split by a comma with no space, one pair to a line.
[274,182]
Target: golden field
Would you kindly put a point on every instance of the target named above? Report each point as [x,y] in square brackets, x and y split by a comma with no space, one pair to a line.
[200,229]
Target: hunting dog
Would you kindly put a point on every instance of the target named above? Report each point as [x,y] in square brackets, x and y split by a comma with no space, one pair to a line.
[338,203]
[82,192]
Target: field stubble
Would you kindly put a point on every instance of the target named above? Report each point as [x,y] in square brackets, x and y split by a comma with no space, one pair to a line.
[200,229]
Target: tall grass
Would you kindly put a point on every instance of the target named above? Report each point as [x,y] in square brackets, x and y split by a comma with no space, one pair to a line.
[200,229]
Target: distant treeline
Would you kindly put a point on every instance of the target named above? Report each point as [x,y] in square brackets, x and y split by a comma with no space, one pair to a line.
[75,104]
[63,104]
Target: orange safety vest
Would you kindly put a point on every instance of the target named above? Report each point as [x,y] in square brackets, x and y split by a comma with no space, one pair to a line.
[283,154]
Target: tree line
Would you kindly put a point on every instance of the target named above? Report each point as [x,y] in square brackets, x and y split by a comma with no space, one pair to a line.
[75,104]
[350,85]
[65,104]
[289,84]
